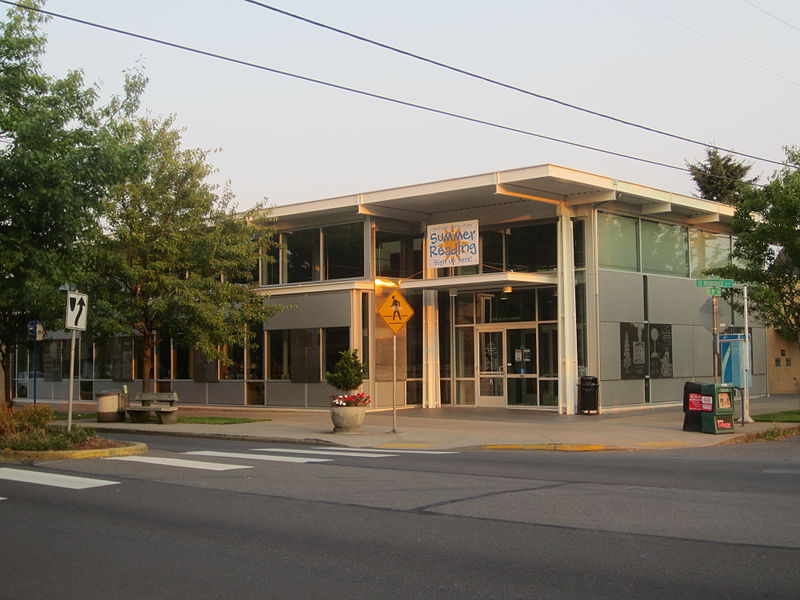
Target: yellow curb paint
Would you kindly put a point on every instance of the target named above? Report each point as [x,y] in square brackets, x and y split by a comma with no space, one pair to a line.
[664,444]
[556,447]
[408,446]
[18,455]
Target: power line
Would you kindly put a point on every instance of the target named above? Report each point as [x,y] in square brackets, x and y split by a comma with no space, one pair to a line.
[776,17]
[508,86]
[346,88]
[721,45]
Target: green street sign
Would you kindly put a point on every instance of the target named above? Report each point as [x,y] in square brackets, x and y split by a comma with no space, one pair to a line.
[715,283]
[715,291]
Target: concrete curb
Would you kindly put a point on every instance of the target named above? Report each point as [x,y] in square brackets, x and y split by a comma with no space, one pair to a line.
[557,447]
[131,449]
[223,436]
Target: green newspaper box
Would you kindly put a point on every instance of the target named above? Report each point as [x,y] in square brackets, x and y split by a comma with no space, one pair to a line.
[717,408]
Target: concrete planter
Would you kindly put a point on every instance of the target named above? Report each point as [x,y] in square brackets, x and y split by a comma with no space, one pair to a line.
[347,419]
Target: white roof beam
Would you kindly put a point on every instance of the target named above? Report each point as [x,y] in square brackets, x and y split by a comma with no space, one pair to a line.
[655,209]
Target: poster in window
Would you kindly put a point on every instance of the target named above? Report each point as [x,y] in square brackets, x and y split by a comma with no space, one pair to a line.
[660,351]
[632,350]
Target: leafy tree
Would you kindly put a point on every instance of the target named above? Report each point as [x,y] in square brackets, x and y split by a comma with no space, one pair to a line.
[766,254]
[175,260]
[721,177]
[58,154]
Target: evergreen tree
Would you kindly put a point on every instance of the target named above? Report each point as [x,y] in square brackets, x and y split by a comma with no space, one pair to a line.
[721,177]
[348,374]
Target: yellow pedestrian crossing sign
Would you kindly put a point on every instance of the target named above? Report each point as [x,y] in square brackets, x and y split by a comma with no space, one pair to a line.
[395,311]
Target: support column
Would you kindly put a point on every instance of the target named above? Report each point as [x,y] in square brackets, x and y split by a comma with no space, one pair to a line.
[567,330]
[431,369]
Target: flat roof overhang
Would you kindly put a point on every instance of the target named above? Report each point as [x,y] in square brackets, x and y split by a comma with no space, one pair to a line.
[481,281]
[504,196]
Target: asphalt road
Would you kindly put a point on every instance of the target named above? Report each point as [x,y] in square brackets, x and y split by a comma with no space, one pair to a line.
[716,522]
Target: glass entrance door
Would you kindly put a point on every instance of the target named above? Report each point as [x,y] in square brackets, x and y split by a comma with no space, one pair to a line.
[491,356]
[521,371]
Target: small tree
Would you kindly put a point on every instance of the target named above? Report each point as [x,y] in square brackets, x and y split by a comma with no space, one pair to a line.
[348,374]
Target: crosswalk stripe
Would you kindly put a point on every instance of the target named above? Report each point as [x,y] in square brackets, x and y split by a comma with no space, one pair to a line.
[336,452]
[392,450]
[180,462]
[292,459]
[52,479]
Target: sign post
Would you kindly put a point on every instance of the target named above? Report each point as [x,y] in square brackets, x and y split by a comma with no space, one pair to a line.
[395,312]
[77,307]
[715,291]
[36,331]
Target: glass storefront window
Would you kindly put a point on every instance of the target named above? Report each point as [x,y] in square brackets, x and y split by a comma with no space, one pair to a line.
[344,255]
[255,354]
[366,318]
[665,249]
[465,309]
[548,303]
[102,359]
[708,250]
[163,360]
[414,337]
[465,352]
[305,350]
[398,255]
[302,256]
[578,244]
[183,362]
[337,339]
[492,251]
[548,350]
[508,307]
[234,370]
[279,355]
[532,248]
[270,265]
[443,299]
[618,242]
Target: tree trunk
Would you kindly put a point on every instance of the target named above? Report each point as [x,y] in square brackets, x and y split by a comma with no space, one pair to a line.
[5,366]
[147,361]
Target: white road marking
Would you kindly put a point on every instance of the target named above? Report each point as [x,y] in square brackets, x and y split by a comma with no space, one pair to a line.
[292,459]
[51,479]
[180,462]
[392,450]
[1,499]
[336,452]
[783,471]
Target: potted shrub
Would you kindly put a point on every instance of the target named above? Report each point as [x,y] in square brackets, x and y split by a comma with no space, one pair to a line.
[349,407]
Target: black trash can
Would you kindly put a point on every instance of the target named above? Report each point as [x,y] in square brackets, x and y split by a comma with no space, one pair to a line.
[587,394]
[692,406]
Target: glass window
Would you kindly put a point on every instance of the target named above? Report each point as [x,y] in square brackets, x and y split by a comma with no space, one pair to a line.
[279,355]
[548,304]
[85,358]
[337,339]
[511,306]
[270,264]
[366,318]
[398,255]
[234,370]
[306,355]
[302,256]
[344,251]
[465,352]
[708,250]
[578,244]
[102,360]
[255,354]
[414,337]
[618,242]
[492,251]
[183,362]
[532,248]
[548,350]
[163,360]
[665,249]
[465,309]
[443,299]
[122,359]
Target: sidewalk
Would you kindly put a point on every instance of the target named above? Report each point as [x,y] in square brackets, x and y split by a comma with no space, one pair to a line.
[460,427]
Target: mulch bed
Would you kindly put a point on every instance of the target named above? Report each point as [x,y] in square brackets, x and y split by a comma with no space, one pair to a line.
[95,443]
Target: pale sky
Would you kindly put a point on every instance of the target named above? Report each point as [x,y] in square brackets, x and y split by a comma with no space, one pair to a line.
[725,73]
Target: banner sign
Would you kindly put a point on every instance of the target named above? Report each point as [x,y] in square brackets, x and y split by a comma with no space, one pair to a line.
[453,245]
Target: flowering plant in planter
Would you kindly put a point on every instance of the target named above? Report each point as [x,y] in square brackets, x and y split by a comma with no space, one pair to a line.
[359,399]
[347,376]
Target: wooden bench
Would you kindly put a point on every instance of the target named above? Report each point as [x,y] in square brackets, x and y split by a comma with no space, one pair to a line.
[164,404]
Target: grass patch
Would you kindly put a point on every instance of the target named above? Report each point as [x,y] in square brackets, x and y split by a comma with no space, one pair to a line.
[218,420]
[75,415]
[786,416]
